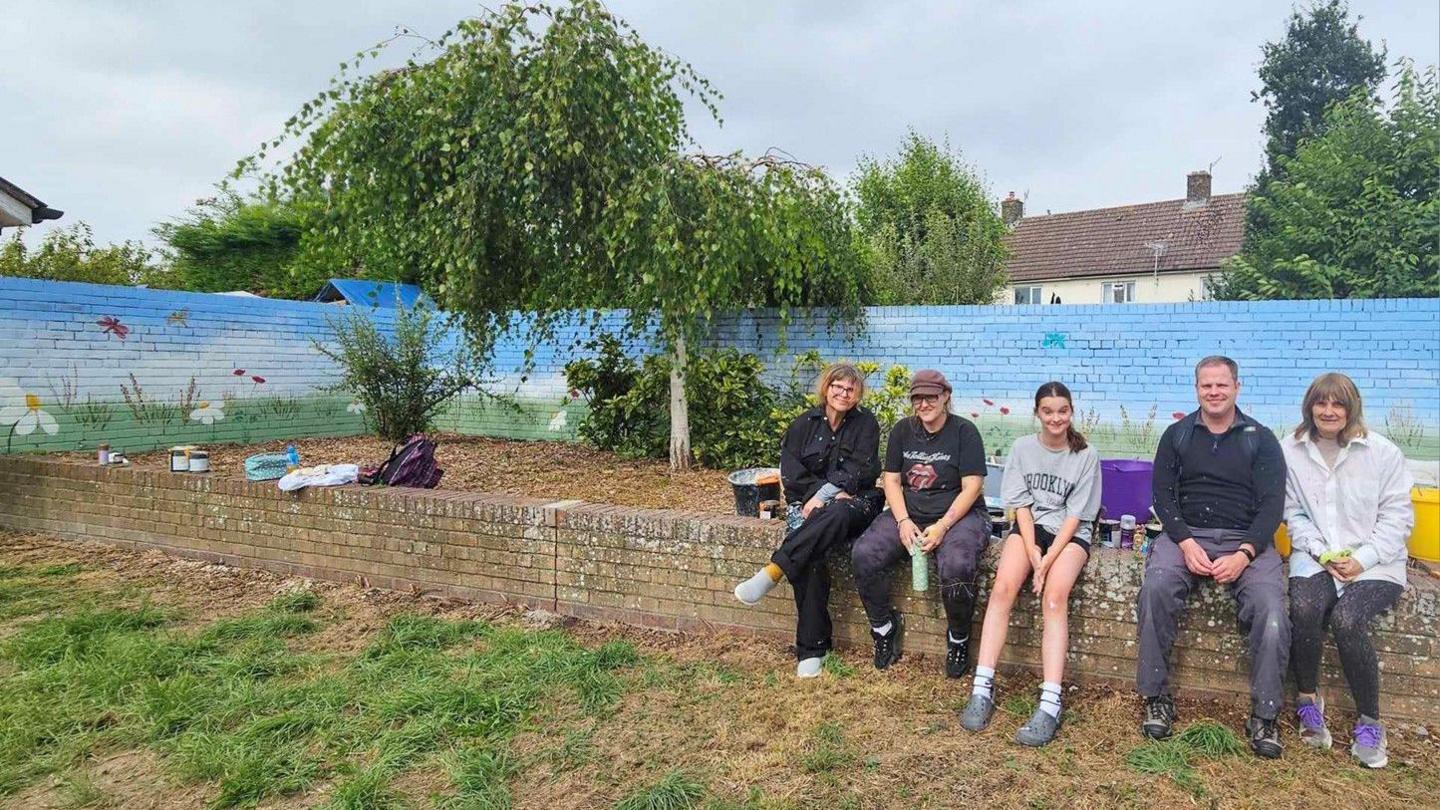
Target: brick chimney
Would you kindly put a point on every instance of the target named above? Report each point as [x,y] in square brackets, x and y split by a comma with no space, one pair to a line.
[1197,188]
[1013,208]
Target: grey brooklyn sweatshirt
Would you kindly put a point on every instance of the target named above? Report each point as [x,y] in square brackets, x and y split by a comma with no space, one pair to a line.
[1055,484]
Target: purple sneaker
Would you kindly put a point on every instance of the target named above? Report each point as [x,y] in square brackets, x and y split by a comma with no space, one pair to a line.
[1369,746]
[1312,724]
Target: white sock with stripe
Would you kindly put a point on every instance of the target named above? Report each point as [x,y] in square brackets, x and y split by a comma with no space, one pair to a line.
[1050,699]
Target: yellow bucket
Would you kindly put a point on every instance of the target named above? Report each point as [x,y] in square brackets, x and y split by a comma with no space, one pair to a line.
[1425,540]
[1282,540]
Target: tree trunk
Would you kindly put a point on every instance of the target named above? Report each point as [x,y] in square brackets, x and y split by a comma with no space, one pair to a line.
[679,408]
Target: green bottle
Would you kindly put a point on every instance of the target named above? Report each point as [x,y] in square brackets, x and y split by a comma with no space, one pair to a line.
[919,569]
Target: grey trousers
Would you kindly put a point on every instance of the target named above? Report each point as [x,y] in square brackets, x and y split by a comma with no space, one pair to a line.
[1260,597]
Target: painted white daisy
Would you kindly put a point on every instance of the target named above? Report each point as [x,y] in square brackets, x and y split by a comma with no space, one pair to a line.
[27,416]
[208,413]
[356,407]
[557,422]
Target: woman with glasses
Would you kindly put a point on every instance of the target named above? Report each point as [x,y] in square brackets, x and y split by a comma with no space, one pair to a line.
[1349,515]
[934,473]
[829,460]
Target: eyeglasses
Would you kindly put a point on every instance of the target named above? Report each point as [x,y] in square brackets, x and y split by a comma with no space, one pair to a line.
[841,388]
[926,399]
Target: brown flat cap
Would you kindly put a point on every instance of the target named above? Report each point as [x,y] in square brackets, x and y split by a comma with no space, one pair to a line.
[930,382]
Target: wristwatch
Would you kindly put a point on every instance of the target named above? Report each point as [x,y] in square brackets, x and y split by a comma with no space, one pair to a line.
[1248,553]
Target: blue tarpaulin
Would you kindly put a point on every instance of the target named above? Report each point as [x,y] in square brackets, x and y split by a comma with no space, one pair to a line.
[358,292]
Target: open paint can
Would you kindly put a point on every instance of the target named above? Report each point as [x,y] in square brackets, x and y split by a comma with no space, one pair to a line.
[199,461]
[180,458]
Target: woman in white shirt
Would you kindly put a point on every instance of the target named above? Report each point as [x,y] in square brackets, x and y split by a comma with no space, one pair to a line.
[1348,509]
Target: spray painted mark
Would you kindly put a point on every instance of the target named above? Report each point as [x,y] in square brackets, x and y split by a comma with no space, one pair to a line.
[1053,340]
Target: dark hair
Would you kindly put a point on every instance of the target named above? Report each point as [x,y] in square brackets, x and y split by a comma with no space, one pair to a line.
[1058,389]
[1218,360]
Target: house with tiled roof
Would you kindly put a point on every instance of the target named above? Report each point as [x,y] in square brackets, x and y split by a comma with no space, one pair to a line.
[1148,253]
[19,207]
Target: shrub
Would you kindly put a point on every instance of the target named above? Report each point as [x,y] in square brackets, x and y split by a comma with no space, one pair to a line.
[402,378]
[731,407]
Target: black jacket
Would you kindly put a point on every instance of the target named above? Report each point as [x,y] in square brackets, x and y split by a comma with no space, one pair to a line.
[812,455]
[1232,481]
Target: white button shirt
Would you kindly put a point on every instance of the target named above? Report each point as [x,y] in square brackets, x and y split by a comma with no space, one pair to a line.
[1363,504]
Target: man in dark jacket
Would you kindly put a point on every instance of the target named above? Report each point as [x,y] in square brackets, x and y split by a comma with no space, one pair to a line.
[1219,490]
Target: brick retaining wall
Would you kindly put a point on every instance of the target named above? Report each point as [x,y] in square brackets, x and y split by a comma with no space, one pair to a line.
[665,569]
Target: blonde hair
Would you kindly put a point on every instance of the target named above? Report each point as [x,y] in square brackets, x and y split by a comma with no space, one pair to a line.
[840,371]
[1341,389]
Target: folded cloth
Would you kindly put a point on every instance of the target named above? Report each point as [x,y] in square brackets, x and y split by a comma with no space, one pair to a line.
[323,475]
[266,466]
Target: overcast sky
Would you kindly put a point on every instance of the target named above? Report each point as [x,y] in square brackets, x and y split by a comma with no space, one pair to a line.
[122,113]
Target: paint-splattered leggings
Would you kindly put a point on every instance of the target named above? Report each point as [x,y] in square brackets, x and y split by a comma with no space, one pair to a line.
[957,560]
[1313,600]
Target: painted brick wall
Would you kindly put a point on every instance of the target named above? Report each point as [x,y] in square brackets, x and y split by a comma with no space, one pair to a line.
[1129,366]
[671,570]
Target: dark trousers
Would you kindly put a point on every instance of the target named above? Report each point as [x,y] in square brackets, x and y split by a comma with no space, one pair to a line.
[1259,594]
[1313,601]
[957,558]
[802,557]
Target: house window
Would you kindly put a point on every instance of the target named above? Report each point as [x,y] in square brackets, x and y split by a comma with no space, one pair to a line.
[1117,292]
[1027,295]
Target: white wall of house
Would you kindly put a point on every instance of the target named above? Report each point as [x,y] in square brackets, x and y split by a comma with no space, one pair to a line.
[1148,289]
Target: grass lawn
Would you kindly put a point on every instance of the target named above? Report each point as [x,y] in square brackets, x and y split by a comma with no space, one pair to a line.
[129,679]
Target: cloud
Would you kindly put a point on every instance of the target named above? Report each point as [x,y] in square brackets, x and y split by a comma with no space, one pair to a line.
[123,113]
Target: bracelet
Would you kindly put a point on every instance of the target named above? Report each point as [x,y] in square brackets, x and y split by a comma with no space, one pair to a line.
[902,520]
[1248,553]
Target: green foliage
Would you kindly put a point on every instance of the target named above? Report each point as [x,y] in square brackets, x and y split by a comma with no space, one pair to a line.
[534,164]
[731,424]
[928,228]
[827,750]
[1355,212]
[675,791]
[1211,739]
[227,243]
[70,254]
[1322,60]
[403,378]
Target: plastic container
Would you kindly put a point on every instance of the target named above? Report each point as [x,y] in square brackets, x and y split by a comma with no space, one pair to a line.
[1125,486]
[1282,540]
[1108,533]
[199,461]
[292,460]
[753,486]
[1127,531]
[1425,540]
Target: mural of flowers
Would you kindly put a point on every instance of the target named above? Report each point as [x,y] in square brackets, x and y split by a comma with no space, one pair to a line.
[111,325]
[258,380]
[1177,415]
[357,407]
[180,317]
[207,413]
[239,372]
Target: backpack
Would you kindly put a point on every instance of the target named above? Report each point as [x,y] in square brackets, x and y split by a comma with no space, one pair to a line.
[412,464]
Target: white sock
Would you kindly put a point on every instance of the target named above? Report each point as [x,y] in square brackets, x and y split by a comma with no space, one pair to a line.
[984,681]
[1050,699]
[884,629]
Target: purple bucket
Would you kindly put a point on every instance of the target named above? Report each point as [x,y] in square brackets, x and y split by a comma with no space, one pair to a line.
[1125,488]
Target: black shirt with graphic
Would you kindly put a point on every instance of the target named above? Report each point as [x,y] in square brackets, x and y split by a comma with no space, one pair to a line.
[932,464]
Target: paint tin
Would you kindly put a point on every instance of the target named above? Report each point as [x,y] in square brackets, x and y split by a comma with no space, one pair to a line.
[199,461]
[103,456]
[1108,533]
[180,458]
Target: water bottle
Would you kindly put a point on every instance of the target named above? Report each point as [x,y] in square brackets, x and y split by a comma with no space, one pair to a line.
[919,569]
[1127,531]
[292,458]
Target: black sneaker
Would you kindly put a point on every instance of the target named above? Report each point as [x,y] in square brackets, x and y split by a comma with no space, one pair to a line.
[957,653]
[1159,719]
[1264,737]
[888,647]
